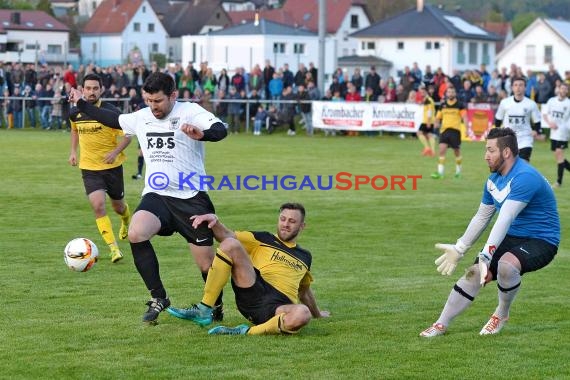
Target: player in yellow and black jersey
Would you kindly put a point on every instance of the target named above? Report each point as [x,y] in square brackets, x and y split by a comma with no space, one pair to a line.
[425,132]
[101,163]
[270,274]
[449,118]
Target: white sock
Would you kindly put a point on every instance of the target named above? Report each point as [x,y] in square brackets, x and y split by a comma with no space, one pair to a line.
[508,283]
[440,169]
[462,295]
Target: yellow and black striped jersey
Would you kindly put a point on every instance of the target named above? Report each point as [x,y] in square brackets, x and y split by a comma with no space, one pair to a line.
[95,139]
[451,115]
[283,265]
[429,111]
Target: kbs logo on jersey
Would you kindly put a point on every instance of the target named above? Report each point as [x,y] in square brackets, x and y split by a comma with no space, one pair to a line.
[340,181]
[159,140]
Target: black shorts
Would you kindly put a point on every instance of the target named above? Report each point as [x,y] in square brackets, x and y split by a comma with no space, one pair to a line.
[533,254]
[451,137]
[259,302]
[556,144]
[174,215]
[109,180]
[426,128]
[525,153]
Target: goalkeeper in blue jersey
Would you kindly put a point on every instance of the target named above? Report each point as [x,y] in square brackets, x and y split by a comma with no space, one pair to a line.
[524,237]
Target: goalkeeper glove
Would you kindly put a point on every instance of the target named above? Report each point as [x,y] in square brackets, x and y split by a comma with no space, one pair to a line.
[485,257]
[447,262]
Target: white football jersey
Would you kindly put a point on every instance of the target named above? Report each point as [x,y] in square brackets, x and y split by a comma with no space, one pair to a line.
[558,112]
[174,161]
[518,116]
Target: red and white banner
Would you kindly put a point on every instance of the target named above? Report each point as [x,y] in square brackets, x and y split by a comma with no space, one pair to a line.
[363,116]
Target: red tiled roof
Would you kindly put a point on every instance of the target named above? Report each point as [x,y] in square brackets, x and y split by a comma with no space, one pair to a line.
[112,16]
[30,20]
[499,28]
[301,13]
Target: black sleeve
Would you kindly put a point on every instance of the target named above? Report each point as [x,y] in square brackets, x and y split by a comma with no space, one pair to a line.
[537,127]
[106,116]
[498,123]
[216,132]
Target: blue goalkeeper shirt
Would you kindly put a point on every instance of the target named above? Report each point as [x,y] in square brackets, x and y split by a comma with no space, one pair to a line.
[523,183]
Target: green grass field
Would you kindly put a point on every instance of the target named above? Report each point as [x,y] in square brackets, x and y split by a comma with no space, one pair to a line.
[372,262]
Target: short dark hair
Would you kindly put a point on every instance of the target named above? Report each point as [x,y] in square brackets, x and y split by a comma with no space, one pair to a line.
[92,76]
[159,81]
[293,206]
[506,138]
[519,78]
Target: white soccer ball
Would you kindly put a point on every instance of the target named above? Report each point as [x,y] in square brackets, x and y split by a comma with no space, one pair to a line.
[80,254]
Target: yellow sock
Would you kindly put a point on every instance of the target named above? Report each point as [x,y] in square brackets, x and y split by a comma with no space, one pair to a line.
[126,215]
[218,275]
[125,220]
[431,142]
[106,230]
[272,326]
[423,140]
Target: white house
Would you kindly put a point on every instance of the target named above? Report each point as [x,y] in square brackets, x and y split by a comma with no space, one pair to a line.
[252,43]
[247,5]
[181,18]
[33,37]
[344,17]
[431,36]
[122,30]
[543,42]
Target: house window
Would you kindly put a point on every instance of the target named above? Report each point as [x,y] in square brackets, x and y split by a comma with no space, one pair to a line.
[428,45]
[436,45]
[151,28]
[460,52]
[31,46]
[530,55]
[299,48]
[486,58]
[154,47]
[370,45]
[400,45]
[94,47]
[93,6]
[137,26]
[345,36]
[143,9]
[279,47]
[548,54]
[54,49]
[354,21]
[473,59]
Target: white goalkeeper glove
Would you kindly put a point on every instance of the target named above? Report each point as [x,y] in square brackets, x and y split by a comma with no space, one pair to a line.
[447,262]
[485,257]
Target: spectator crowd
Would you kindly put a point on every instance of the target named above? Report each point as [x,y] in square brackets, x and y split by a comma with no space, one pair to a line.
[39,94]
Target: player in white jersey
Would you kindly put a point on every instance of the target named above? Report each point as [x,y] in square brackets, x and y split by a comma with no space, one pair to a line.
[521,114]
[171,135]
[557,116]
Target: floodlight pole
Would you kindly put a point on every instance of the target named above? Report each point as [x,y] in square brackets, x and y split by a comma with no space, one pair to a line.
[322,35]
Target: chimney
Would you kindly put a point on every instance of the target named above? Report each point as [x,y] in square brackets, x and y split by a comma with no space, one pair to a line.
[15,18]
[420,6]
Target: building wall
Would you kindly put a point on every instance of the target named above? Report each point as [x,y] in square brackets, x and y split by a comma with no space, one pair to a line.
[247,51]
[539,36]
[416,50]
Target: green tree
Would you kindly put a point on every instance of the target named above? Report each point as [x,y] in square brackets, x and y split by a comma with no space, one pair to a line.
[45,5]
[522,20]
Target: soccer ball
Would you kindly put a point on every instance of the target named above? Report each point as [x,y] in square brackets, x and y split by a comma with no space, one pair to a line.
[80,254]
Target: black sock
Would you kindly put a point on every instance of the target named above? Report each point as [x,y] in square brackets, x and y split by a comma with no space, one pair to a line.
[146,263]
[560,172]
[140,164]
[566,164]
[219,300]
